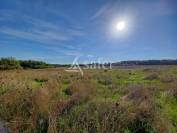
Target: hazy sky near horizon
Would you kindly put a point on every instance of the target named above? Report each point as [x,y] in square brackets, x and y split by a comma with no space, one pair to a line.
[57,31]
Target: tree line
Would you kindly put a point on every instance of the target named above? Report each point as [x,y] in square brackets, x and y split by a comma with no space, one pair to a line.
[12,63]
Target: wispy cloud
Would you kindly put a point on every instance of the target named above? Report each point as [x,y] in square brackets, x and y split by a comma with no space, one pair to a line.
[101,11]
[67,51]
[75,32]
[39,30]
[71,53]
[36,35]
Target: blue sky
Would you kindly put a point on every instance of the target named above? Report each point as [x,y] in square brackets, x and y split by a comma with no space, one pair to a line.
[57,31]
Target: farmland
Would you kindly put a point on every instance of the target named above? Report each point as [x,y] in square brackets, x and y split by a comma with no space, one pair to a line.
[52,100]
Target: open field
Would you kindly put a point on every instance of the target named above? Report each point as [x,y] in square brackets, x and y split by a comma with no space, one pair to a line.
[133,100]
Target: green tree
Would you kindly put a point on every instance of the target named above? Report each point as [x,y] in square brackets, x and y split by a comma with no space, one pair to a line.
[9,63]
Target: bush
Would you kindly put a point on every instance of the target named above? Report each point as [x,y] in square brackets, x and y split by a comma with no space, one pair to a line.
[33,64]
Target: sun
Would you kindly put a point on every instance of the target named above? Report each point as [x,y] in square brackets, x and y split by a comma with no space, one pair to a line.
[121,25]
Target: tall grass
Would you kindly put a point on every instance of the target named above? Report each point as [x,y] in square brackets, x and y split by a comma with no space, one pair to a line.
[52,100]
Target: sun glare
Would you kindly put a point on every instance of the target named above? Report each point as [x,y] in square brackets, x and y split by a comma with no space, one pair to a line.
[120,25]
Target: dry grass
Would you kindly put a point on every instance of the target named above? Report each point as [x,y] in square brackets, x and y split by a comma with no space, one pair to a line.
[52,100]
[151,76]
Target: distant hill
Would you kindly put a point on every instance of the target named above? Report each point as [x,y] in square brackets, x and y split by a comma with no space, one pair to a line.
[145,62]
